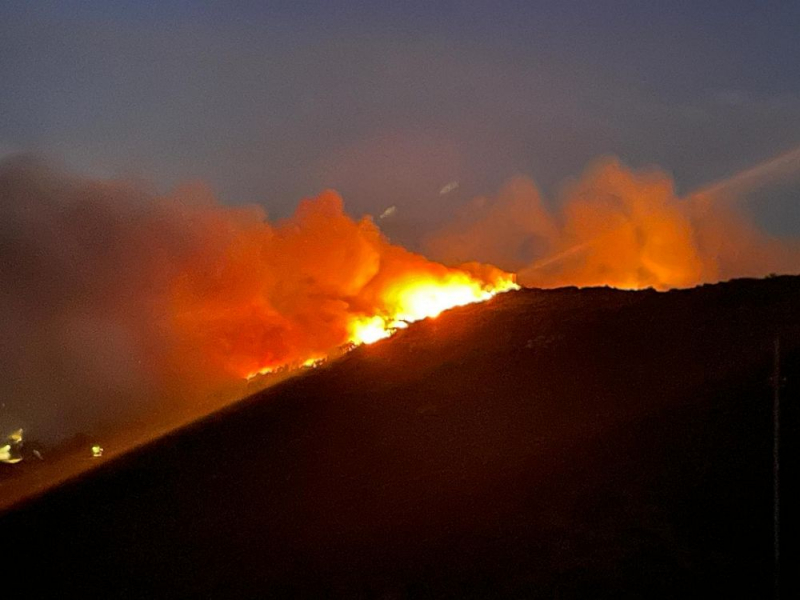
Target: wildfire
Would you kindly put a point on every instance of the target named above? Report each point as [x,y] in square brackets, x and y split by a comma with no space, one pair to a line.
[251,298]
[261,371]
[248,297]
[414,299]
[411,298]
[313,363]
[417,299]
[180,298]
[368,330]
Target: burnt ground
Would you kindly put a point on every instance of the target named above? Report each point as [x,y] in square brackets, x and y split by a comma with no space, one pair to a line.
[565,443]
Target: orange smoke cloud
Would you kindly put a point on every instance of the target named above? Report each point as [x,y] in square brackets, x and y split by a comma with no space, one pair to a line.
[122,303]
[614,227]
[259,296]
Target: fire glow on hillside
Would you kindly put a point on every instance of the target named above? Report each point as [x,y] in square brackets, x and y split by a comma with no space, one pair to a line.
[179,299]
[412,298]
[259,297]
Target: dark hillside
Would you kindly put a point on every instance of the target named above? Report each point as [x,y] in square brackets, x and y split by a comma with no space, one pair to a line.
[565,443]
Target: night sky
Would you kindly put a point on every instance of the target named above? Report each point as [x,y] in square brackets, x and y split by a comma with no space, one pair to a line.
[270,102]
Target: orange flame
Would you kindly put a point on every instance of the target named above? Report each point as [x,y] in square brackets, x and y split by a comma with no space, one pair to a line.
[176,299]
[415,298]
[410,299]
[259,297]
[368,330]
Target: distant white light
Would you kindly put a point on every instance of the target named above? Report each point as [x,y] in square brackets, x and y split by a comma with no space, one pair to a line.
[388,212]
[10,451]
[453,185]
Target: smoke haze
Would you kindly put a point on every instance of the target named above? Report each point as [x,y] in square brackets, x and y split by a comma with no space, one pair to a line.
[614,226]
[119,303]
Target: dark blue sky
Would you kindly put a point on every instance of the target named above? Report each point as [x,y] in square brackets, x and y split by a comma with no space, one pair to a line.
[388,102]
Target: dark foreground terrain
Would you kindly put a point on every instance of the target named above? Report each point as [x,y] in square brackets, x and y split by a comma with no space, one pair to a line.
[566,443]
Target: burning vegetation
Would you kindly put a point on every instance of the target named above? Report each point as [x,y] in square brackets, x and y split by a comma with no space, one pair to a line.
[121,302]
[266,296]
[128,301]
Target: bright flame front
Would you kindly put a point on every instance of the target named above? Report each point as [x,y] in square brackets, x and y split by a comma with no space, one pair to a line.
[368,330]
[414,300]
[411,298]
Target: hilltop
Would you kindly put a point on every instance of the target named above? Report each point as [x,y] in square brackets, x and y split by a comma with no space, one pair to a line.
[563,443]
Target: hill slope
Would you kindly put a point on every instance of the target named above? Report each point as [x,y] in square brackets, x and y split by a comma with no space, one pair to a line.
[568,443]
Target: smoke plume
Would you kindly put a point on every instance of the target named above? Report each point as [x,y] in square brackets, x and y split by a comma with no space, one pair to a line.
[119,303]
[616,227]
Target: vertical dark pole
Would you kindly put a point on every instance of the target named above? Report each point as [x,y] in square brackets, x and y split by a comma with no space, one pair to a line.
[776,439]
